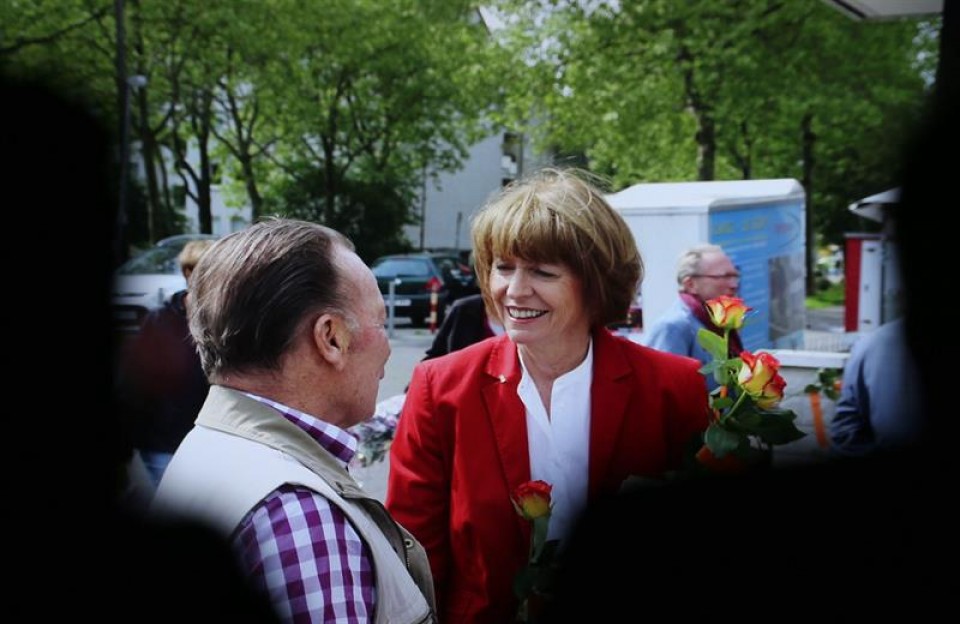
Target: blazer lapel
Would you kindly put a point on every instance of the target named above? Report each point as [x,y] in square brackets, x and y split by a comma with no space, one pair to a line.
[610,394]
[507,416]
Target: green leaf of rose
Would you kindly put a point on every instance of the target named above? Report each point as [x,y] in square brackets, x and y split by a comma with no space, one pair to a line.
[523,582]
[707,369]
[719,402]
[713,344]
[776,427]
[720,441]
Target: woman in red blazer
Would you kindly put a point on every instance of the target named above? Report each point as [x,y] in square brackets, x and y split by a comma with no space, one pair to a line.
[558,398]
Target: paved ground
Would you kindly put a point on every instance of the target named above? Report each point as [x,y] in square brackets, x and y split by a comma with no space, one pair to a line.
[825,330]
[829,319]
[408,346]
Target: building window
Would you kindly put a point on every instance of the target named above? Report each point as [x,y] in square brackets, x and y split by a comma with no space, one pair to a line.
[512,153]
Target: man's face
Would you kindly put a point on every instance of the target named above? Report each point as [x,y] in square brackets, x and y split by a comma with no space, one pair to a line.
[368,348]
[715,276]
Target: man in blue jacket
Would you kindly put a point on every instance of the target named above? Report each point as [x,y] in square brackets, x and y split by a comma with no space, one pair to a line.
[878,408]
[703,273]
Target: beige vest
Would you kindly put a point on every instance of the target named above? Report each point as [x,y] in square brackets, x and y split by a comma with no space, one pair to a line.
[241,450]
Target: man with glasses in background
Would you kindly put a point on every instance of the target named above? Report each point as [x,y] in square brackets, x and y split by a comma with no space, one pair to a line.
[703,272]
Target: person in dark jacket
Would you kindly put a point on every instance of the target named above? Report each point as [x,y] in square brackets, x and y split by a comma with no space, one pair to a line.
[161,385]
[465,323]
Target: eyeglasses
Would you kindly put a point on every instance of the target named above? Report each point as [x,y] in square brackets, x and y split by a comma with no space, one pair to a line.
[723,276]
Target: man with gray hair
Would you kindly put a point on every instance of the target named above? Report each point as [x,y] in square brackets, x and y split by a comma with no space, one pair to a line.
[703,273]
[289,324]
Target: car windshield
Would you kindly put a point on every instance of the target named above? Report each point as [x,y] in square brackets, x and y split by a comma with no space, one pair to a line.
[156,260]
[401,267]
[179,240]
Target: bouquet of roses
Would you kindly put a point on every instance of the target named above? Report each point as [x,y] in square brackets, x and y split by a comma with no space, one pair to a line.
[375,436]
[747,421]
[533,582]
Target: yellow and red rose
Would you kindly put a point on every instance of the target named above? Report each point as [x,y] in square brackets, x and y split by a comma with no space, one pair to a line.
[759,377]
[747,418]
[727,312]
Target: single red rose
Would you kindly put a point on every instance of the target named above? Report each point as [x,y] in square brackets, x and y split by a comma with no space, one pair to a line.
[532,499]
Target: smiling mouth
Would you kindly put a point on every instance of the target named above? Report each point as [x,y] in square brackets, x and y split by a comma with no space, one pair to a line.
[524,314]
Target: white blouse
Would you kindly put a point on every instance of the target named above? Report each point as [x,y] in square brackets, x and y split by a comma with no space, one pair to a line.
[560,445]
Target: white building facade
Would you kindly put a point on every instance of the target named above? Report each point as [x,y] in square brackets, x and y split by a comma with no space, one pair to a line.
[450,200]
[446,207]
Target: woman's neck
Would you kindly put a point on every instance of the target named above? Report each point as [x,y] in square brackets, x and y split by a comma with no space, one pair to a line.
[554,360]
[546,365]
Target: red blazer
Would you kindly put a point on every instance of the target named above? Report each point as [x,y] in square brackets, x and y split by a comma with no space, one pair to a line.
[461,449]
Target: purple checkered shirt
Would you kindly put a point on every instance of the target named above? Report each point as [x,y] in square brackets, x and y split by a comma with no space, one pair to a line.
[302,550]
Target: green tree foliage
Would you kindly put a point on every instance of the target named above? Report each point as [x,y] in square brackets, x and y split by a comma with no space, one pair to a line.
[343,97]
[370,212]
[371,93]
[669,90]
[64,41]
[325,108]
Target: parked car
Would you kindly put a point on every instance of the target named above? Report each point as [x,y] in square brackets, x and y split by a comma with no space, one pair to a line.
[179,240]
[633,323]
[147,280]
[415,275]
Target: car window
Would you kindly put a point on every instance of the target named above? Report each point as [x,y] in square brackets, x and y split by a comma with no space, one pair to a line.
[446,264]
[155,260]
[179,240]
[401,267]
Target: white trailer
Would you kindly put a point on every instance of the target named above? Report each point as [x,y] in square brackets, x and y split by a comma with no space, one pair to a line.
[760,225]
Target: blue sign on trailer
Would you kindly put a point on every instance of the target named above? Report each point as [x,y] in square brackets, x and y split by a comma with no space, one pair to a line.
[759,224]
[766,243]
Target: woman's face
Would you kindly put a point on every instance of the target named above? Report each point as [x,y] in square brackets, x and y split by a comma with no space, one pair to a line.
[539,304]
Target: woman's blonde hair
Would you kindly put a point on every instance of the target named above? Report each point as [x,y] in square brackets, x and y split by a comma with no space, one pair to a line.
[191,253]
[560,216]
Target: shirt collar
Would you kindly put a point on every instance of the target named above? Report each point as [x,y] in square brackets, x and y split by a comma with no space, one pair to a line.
[332,438]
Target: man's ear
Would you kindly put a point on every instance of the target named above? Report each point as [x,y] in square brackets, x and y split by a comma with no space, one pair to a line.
[686,285]
[332,338]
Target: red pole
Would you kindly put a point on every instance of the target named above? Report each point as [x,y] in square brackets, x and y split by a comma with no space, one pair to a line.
[433,306]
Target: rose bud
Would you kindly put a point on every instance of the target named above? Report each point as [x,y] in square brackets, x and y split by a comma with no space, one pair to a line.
[727,312]
[532,499]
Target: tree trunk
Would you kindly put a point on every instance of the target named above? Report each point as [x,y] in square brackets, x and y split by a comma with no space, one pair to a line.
[121,251]
[745,160]
[200,117]
[253,193]
[204,183]
[706,146]
[201,126]
[706,136]
[149,153]
[158,222]
[242,147]
[164,184]
[808,140]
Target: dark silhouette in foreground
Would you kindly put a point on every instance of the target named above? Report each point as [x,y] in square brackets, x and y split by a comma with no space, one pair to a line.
[859,538]
[80,550]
